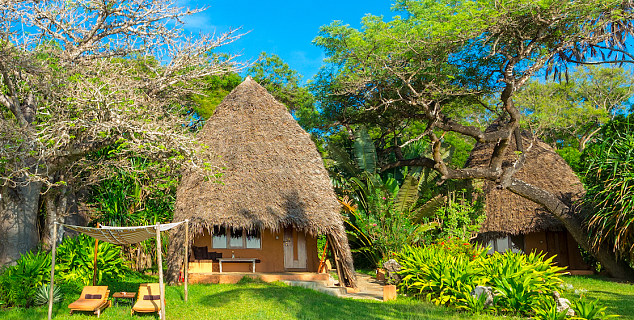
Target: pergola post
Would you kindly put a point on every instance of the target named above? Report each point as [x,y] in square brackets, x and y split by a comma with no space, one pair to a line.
[94,266]
[186,256]
[52,284]
[160,269]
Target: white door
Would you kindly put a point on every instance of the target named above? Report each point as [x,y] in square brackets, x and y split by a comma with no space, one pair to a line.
[294,249]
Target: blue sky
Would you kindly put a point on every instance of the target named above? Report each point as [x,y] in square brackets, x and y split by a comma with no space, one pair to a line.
[285,28]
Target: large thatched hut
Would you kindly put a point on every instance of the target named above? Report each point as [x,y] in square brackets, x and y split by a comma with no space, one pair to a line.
[274,200]
[518,224]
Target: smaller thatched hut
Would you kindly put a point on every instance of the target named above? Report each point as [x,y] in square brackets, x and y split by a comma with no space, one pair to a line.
[275,197]
[518,224]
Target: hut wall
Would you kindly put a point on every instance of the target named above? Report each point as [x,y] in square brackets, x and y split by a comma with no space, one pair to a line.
[558,243]
[535,242]
[271,255]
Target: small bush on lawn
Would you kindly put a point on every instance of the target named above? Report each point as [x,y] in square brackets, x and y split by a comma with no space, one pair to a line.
[19,283]
[440,272]
[447,272]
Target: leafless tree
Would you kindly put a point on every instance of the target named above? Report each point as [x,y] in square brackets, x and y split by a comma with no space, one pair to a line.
[81,76]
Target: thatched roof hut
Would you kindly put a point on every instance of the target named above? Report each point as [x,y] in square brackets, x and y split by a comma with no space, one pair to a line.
[274,176]
[508,213]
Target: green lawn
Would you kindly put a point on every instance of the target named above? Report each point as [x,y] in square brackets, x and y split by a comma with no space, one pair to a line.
[257,300]
[618,297]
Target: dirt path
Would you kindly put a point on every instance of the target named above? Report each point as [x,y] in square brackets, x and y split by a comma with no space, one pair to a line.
[369,288]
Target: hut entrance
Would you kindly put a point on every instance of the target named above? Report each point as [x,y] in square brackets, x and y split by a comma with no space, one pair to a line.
[557,244]
[294,249]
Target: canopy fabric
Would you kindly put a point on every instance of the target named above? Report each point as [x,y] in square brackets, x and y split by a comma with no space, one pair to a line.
[123,235]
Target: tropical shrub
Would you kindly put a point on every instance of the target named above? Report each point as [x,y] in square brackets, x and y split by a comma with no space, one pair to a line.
[435,274]
[19,283]
[144,195]
[516,294]
[386,212]
[473,304]
[546,309]
[74,262]
[460,218]
[383,213]
[381,226]
[446,273]
[541,271]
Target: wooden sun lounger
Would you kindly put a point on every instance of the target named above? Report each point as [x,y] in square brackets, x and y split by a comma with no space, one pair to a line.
[91,305]
[141,305]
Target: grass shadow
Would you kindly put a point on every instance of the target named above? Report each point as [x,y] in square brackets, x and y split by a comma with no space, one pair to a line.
[303,303]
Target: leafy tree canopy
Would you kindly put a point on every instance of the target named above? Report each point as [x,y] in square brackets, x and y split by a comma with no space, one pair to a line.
[569,113]
[456,66]
[214,89]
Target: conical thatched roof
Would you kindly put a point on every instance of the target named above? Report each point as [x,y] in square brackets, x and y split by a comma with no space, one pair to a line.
[508,213]
[274,175]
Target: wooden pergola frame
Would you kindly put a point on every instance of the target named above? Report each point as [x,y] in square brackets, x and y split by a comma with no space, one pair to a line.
[158,257]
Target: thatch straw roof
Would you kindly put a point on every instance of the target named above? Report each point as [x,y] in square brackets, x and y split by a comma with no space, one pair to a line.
[508,213]
[274,174]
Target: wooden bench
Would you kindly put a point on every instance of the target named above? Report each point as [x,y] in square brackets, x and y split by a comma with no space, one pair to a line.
[238,260]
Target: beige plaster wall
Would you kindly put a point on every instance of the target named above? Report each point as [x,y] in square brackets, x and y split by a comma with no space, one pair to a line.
[271,255]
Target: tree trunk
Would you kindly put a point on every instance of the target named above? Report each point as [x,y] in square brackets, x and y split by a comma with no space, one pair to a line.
[573,223]
[18,221]
[56,203]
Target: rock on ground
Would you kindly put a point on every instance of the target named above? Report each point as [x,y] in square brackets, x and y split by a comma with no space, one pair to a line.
[392,267]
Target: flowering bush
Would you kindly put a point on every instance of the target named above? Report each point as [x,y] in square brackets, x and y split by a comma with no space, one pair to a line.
[454,246]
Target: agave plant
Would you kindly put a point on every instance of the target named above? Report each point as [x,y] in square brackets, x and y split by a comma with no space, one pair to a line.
[42,295]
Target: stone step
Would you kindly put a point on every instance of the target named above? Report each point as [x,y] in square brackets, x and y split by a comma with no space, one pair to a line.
[319,286]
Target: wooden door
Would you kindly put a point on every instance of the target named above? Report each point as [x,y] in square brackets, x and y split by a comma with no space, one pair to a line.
[300,263]
[288,248]
[557,244]
[564,259]
[295,256]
